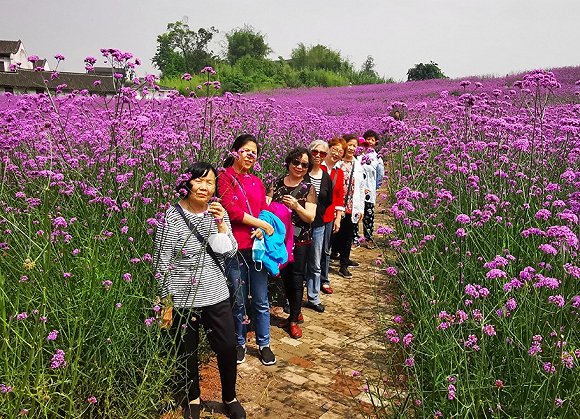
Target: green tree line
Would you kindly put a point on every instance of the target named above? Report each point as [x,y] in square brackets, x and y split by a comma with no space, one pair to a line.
[244,65]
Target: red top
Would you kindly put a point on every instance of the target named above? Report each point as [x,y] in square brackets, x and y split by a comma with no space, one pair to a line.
[337,178]
[236,201]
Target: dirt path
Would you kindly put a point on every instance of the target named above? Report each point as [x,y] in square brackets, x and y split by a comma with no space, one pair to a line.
[316,376]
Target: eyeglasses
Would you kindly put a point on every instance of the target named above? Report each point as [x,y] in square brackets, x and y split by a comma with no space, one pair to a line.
[298,163]
[337,150]
[315,153]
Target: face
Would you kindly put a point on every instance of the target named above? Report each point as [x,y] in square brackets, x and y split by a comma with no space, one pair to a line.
[247,155]
[318,154]
[336,153]
[202,188]
[371,141]
[299,167]
[351,147]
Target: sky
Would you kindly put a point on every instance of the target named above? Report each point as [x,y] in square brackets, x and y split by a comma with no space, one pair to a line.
[465,37]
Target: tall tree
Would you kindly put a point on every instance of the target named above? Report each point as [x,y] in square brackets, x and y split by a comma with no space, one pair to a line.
[181,49]
[246,41]
[166,59]
[368,67]
[425,72]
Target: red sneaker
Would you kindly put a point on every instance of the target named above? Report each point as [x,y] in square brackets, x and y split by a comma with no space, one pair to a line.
[326,289]
[295,331]
[284,323]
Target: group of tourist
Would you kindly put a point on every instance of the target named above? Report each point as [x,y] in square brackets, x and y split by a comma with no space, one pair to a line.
[218,245]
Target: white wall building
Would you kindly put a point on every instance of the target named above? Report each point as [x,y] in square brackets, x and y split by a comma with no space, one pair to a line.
[13,52]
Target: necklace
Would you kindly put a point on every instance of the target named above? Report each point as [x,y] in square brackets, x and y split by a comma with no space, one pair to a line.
[185,204]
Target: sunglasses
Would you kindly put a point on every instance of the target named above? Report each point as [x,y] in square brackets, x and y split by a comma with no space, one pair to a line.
[298,163]
[315,153]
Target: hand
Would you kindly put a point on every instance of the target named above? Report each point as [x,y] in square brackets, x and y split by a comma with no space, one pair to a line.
[217,211]
[268,228]
[290,201]
[336,225]
[257,233]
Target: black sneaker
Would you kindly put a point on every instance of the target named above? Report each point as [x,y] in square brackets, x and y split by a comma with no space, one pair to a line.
[343,271]
[192,411]
[235,410]
[334,256]
[267,356]
[352,264]
[240,354]
[319,308]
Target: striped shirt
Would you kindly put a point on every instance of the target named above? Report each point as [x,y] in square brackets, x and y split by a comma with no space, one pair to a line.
[184,269]
[316,183]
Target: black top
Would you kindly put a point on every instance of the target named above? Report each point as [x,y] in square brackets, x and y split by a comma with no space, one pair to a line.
[324,198]
[304,193]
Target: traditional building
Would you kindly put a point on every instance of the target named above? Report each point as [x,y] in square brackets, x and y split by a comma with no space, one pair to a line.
[13,53]
[18,75]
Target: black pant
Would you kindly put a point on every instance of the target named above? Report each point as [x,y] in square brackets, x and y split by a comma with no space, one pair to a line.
[218,322]
[293,276]
[342,240]
[369,220]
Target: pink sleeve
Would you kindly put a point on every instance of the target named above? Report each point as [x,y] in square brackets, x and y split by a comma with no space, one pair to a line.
[230,199]
[263,204]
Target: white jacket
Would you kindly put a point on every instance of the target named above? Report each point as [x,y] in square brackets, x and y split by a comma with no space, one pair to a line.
[374,171]
[357,190]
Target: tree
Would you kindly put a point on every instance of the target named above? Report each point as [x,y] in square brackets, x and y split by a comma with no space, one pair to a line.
[318,57]
[368,67]
[246,41]
[167,60]
[425,72]
[181,49]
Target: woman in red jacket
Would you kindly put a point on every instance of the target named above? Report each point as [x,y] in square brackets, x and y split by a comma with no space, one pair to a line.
[333,214]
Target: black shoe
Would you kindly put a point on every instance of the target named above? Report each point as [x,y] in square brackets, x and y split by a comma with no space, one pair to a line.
[343,271]
[319,308]
[352,264]
[240,354]
[234,410]
[286,308]
[267,356]
[192,411]
[334,256]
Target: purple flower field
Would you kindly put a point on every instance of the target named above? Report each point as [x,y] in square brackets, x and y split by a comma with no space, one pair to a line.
[485,197]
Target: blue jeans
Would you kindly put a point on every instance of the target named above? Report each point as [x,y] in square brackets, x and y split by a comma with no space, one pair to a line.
[313,265]
[325,256]
[243,277]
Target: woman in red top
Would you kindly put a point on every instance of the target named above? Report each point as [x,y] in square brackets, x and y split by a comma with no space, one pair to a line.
[333,214]
[244,196]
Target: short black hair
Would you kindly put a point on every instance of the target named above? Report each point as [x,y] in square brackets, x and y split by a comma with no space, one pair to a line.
[296,154]
[239,142]
[196,170]
[370,133]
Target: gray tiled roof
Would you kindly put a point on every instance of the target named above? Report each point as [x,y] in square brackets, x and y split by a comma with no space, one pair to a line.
[34,80]
[9,47]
